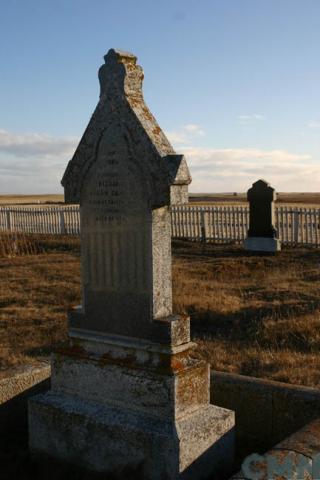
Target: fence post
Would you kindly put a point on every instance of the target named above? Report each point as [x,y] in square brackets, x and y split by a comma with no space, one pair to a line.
[296,227]
[62,223]
[203,226]
[9,220]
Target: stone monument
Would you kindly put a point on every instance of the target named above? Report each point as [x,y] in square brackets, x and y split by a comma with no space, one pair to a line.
[128,392]
[262,234]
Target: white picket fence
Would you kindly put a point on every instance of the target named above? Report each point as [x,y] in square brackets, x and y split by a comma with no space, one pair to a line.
[223,224]
[220,224]
[49,220]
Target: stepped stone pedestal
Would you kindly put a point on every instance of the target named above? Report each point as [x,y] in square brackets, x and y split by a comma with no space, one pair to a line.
[128,393]
[118,404]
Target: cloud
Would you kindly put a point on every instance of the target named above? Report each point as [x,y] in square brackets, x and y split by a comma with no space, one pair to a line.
[224,170]
[186,134]
[314,125]
[251,118]
[33,162]
[35,144]
[194,129]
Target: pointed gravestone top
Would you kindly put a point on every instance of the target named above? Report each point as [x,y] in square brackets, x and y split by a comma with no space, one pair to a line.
[122,110]
[125,174]
[263,190]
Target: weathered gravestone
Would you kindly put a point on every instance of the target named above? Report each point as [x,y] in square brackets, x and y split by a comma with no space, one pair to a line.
[262,234]
[127,392]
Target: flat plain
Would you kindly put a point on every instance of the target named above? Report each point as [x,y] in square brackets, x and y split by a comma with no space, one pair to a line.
[302,199]
[250,314]
[30,199]
[308,199]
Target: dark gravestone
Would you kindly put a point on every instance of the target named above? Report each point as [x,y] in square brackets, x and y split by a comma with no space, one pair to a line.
[262,234]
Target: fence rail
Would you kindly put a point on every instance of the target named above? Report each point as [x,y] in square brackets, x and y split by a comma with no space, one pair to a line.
[220,224]
[50,220]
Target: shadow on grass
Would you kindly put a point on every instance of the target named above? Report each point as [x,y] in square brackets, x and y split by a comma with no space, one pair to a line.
[188,248]
[248,325]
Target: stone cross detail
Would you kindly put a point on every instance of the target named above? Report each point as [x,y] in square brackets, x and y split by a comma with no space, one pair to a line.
[125,175]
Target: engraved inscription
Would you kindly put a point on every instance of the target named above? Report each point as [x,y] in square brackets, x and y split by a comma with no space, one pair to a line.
[114,263]
[114,227]
[106,194]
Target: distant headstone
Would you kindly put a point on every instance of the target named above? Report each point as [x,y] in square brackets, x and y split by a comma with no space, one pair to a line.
[127,392]
[262,234]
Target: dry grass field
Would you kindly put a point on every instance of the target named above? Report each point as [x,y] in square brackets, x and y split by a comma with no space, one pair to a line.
[302,199]
[30,199]
[36,292]
[255,315]
[299,199]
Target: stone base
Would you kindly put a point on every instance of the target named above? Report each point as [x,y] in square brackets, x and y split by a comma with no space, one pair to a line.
[262,244]
[119,404]
[111,440]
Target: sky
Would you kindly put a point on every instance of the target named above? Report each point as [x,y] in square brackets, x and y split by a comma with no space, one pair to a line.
[234,84]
